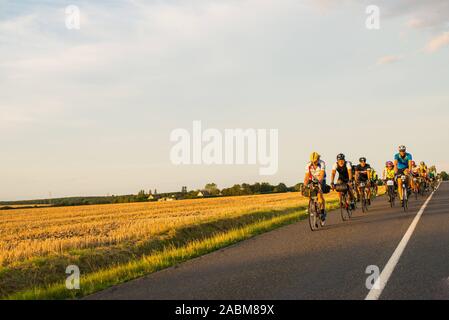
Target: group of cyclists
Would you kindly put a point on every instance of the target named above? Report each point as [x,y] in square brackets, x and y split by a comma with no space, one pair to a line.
[359,183]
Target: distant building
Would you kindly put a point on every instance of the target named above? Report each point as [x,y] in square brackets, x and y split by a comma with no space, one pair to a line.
[203,193]
[164,199]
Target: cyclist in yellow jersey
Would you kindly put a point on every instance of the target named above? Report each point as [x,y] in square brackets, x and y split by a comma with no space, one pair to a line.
[416,173]
[423,170]
[388,173]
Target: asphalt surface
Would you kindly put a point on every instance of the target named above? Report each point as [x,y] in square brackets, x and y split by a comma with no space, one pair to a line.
[294,263]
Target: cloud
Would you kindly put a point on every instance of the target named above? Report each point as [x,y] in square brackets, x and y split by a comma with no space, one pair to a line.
[437,42]
[388,59]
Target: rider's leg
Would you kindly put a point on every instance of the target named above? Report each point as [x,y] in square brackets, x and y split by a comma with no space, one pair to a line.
[369,192]
[323,204]
[400,188]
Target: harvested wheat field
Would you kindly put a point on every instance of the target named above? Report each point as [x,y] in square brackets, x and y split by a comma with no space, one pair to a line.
[36,245]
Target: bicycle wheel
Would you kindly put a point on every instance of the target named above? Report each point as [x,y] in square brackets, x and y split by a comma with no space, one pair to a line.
[393,197]
[363,200]
[367,203]
[345,209]
[314,220]
[348,207]
[405,198]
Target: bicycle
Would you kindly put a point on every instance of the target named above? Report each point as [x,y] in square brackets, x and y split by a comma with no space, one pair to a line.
[345,201]
[404,192]
[422,189]
[374,189]
[391,192]
[417,187]
[314,208]
[362,186]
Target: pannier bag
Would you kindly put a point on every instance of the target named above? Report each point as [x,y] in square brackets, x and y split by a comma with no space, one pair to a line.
[341,187]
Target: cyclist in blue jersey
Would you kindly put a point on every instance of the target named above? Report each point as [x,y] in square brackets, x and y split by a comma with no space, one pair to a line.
[403,166]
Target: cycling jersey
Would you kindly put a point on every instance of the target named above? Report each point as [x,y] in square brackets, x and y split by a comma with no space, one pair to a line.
[389,173]
[374,176]
[403,162]
[363,172]
[315,171]
[422,170]
[343,174]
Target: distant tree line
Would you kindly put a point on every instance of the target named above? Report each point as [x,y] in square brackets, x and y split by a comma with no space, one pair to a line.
[209,190]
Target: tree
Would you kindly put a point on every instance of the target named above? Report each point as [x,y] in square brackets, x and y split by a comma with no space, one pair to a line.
[247,189]
[281,187]
[444,176]
[265,187]
[212,189]
[141,196]
[256,188]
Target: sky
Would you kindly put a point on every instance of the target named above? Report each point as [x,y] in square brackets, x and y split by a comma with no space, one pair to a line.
[90,111]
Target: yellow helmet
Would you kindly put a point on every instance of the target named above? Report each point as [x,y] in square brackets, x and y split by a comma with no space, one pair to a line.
[314,157]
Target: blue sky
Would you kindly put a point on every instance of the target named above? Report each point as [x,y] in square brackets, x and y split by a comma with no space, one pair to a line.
[90,111]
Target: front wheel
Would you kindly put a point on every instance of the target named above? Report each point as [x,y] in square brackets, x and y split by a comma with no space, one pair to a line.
[314,220]
[345,207]
[405,198]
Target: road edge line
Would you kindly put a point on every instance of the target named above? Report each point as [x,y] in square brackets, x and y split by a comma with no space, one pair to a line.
[381,282]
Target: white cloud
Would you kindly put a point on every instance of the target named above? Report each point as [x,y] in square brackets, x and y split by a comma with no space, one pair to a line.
[388,59]
[437,42]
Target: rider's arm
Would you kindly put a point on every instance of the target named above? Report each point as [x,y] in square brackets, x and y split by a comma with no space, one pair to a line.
[333,176]
[396,166]
[322,175]
[306,179]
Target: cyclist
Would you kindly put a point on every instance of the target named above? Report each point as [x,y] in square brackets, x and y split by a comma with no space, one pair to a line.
[432,173]
[345,176]
[316,170]
[363,174]
[432,176]
[374,180]
[388,173]
[416,173]
[423,172]
[357,195]
[402,166]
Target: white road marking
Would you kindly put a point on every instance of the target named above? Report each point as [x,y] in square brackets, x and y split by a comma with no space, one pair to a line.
[381,282]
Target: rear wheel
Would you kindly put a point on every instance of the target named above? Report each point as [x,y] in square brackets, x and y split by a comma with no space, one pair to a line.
[391,196]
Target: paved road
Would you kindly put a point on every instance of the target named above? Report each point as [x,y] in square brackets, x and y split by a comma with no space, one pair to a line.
[294,263]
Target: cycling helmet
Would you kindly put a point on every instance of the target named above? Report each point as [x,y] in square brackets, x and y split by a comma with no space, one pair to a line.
[423,163]
[389,164]
[413,163]
[362,159]
[402,148]
[314,157]
[341,156]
